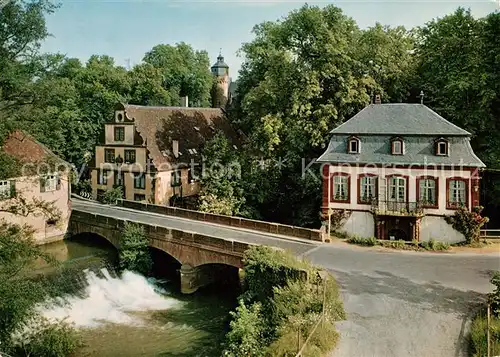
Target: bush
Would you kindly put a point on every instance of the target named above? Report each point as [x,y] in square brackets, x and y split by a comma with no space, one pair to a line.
[111,197]
[468,223]
[394,244]
[369,242]
[50,339]
[434,245]
[246,332]
[134,252]
[478,338]
[280,303]
[495,295]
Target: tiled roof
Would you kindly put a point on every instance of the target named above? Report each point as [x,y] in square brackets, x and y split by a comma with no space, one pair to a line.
[419,150]
[399,119]
[191,127]
[26,148]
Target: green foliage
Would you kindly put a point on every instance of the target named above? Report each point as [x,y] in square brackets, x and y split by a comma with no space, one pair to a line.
[112,196]
[221,191]
[434,245]
[246,332]
[284,299]
[50,339]
[479,328]
[369,242]
[9,166]
[495,295]
[185,72]
[20,293]
[133,252]
[468,223]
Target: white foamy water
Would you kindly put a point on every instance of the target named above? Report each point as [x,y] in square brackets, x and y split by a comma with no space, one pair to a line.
[110,299]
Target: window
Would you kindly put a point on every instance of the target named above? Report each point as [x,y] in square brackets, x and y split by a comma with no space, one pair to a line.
[119,178]
[353,146]
[138,197]
[442,147]
[457,192]
[427,191]
[397,146]
[340,187]
[109,155]
[140,181]
[6,189]
[175,178]
[194,173]
[103,178]
[397,189]
[119,133]
[130,156]
[50,183]
[367,188]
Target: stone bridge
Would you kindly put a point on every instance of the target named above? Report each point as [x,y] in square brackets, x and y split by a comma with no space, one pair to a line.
[203,249]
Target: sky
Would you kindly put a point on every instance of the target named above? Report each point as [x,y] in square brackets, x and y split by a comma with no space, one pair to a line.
[127,29]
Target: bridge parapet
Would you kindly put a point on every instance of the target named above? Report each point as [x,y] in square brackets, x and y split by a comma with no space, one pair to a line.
[262,226]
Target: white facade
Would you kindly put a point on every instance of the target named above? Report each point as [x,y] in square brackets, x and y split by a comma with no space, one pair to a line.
[361,221]
[382,173]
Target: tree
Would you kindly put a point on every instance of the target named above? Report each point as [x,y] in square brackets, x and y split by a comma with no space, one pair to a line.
[185,71]
[387,55]
[221,186]
[300,79]
[133,251]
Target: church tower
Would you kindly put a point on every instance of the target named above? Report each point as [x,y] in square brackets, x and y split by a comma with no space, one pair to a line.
[220,70]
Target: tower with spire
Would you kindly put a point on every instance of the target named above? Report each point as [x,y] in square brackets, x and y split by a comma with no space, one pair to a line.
[220,70]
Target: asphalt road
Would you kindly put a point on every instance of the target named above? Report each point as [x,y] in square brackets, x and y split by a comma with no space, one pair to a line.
[399,304]
[406,304]
[297,246]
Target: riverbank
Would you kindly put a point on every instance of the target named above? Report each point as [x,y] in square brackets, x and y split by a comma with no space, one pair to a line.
[134,315]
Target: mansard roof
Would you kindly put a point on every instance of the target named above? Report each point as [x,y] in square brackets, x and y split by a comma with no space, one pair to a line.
[399,119]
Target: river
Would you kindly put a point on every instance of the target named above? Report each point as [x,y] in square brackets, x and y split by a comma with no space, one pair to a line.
[130,315]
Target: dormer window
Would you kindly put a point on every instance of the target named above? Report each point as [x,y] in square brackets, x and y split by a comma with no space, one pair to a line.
[397,146]
[442,147]
[353,145]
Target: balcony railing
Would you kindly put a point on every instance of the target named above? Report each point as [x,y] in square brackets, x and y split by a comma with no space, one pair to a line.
[394,208]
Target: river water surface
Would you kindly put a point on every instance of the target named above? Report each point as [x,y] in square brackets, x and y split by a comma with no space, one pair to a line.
[130,315]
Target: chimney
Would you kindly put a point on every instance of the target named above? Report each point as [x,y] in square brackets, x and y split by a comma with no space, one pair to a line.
[175,147]
[377,99]
[184,101]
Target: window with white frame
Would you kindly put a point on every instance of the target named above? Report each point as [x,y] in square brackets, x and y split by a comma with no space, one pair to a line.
[427,191]
[457,193]
[442,148]
[103,177]
[397,147]
[49,183]
[340,188]
[140,181]
[368,188]
[397,189]
[4,189]
[353,146]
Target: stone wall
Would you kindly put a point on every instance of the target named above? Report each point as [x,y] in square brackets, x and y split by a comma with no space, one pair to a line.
[262,226]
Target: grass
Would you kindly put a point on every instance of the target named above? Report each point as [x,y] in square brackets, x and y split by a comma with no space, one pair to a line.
[431,245]
[478,336]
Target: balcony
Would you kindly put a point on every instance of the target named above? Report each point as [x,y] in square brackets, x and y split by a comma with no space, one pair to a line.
[392,208]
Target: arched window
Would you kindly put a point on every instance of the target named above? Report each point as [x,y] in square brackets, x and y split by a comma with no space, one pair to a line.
[442,147]
[353,145]
[397,146]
